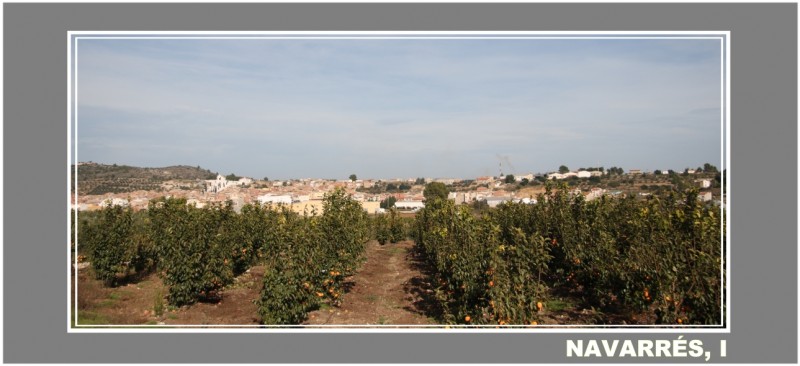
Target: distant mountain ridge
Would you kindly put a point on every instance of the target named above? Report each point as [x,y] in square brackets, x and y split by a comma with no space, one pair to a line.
[96,178]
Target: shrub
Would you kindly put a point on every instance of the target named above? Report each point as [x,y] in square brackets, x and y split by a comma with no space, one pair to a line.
[380,226]
[312,256]
[283,299]
[194,248]
[109,243]
[389,227]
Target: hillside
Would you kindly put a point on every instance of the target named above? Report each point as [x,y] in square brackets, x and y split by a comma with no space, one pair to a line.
[98,179]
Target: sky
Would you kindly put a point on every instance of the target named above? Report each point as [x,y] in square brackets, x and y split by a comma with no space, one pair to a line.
[399,108]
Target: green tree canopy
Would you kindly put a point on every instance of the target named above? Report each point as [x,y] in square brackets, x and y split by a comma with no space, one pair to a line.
[479,205]
[615,171]
[435,190]
[510,179]
[353,177]
[388,202]
[563,169]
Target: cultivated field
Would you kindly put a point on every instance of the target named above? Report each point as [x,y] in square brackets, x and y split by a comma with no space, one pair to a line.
[611,261]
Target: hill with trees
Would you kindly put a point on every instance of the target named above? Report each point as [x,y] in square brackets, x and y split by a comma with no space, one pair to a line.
[95,178]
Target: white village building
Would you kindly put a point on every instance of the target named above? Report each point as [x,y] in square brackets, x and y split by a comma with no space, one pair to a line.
[277,199]
[221,183]
[409,205]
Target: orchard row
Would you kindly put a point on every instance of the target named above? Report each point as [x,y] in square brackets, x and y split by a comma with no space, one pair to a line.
[661,257]
[199,251]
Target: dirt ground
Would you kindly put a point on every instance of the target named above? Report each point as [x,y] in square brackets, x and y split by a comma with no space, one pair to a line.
[144,303]
[388,290]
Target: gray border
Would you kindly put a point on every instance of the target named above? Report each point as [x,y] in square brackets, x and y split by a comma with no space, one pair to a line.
[764,156]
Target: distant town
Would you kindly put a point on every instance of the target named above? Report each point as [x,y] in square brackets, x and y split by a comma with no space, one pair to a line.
[375,195]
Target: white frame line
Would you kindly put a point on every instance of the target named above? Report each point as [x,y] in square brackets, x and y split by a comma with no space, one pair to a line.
[723,36]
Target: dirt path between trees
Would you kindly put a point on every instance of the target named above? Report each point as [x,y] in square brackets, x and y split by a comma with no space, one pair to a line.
[390,289]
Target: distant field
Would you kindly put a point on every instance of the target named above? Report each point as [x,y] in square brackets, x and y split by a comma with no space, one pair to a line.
[530,191]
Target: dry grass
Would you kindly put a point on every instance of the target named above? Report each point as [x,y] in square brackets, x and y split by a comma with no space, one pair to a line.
[91,291]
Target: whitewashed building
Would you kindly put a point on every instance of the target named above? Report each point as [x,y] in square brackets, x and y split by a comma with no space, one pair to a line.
[595,193]
[703,183]
[409,205]
[221,183]
[519,178]
[277,199]
[527,201]
[496,201]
